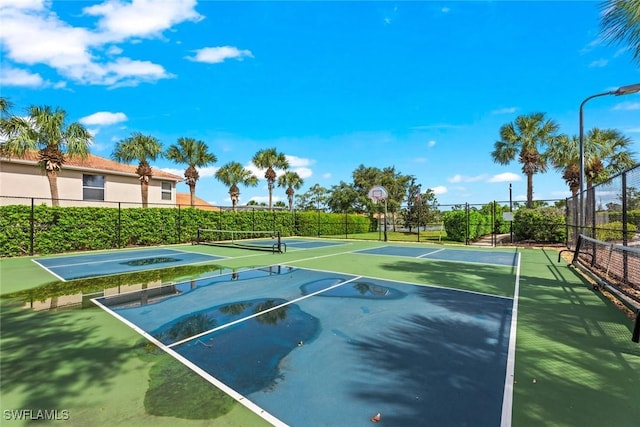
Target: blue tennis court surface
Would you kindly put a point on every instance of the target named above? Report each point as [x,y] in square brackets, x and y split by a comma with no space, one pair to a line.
[309,244]
[312,348]
[104,264]
[441,254]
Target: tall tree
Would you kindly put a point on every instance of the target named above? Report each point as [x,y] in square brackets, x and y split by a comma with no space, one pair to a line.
[526,138]
[314,198]
[606,153]
[45,130]
[195,154]
[232,174]
[270,159]
[344,198]
[292,181]
[141,148]
[620,23]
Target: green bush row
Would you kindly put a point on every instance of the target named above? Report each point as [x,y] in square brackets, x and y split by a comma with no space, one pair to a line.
[63,229]
[539,224]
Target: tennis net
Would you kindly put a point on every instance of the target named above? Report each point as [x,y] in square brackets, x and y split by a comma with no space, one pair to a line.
[614,267]
[268,240]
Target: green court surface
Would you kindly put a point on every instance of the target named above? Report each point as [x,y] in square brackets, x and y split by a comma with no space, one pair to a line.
[575,364]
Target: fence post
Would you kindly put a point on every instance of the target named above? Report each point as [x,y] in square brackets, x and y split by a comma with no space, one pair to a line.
[625,271]
[32,228]
[346,225]
[466,234]
[179,227]
[119,228]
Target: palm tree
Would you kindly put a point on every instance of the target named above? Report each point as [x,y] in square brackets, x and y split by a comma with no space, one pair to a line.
[270,159]
[232,174]
[524,138]
[620,21]
[44,129]
[194,154]
[141,148]
[606,153]
[293,182]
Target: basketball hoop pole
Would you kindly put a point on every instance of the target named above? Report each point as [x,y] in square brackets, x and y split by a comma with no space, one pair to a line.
[385,220]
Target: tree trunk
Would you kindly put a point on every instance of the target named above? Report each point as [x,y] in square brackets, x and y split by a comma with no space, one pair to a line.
[529,190]
[52,176]
[144,188]
[192,190]
[270,185]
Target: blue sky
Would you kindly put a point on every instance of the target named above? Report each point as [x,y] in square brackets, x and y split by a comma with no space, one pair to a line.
[422,86]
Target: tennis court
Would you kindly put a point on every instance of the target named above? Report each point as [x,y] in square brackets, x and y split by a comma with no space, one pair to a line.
[329,335]
[111,263]
[345,347]
[442,254]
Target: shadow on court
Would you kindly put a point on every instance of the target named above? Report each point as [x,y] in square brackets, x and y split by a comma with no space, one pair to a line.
[451,371]
[472,277]
[50,358]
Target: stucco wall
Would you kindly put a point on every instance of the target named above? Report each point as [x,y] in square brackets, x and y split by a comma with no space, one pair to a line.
[18,181]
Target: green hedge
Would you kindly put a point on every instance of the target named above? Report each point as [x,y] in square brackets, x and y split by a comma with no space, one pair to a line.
[612,231]
[455,224]
[63,229]
[540,224]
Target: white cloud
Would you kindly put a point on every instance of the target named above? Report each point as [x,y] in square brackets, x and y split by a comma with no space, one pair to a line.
[431,143]
[633,130]
[445,10]
[295,161]
[141,18]
[440,189]
[208,171]
[326,175]
[103,118]
[34,35]
[214,55]
[461,178]
[507,110]
[627,106]
[420,159]
[16,77]
[175,171]
[505,177]
[204,172]
[600,63]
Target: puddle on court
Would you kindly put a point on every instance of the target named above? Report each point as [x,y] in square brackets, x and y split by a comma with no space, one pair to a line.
[150,261]
[78,293]
[358,289]
[272,335]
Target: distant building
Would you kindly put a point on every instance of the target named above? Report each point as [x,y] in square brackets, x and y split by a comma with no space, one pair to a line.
[94,181]
[184,201]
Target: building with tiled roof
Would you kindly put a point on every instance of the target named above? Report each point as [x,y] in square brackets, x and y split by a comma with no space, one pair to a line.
[93,181]
[184,200]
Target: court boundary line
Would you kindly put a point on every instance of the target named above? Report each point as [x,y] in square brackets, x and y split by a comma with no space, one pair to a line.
[128,259]
[243,400]
[219,257]
[425,256]
[507,398]
[276,307]
[429,253]
[404,282]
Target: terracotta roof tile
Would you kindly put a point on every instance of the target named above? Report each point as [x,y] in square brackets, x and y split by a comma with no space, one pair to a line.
[100,163]
[184,199]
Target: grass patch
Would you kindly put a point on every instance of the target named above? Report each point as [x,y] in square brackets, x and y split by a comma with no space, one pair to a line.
[176,391]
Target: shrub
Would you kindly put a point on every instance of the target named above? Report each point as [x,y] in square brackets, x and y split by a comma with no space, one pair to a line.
[540,224]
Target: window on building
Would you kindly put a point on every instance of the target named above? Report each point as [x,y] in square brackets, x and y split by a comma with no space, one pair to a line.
[92,187]
[166,191]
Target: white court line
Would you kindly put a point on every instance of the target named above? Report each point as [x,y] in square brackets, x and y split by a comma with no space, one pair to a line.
[50,271]
[430,253]
[293,301]
[195,368]
[507,398]
[162,253]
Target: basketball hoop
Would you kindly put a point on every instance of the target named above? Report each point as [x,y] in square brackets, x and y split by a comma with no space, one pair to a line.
[377,193]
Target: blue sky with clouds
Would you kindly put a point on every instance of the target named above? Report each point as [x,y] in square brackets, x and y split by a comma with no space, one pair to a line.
[422,86]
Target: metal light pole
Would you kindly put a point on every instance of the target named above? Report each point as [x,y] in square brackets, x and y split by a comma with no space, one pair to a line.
[623,90]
